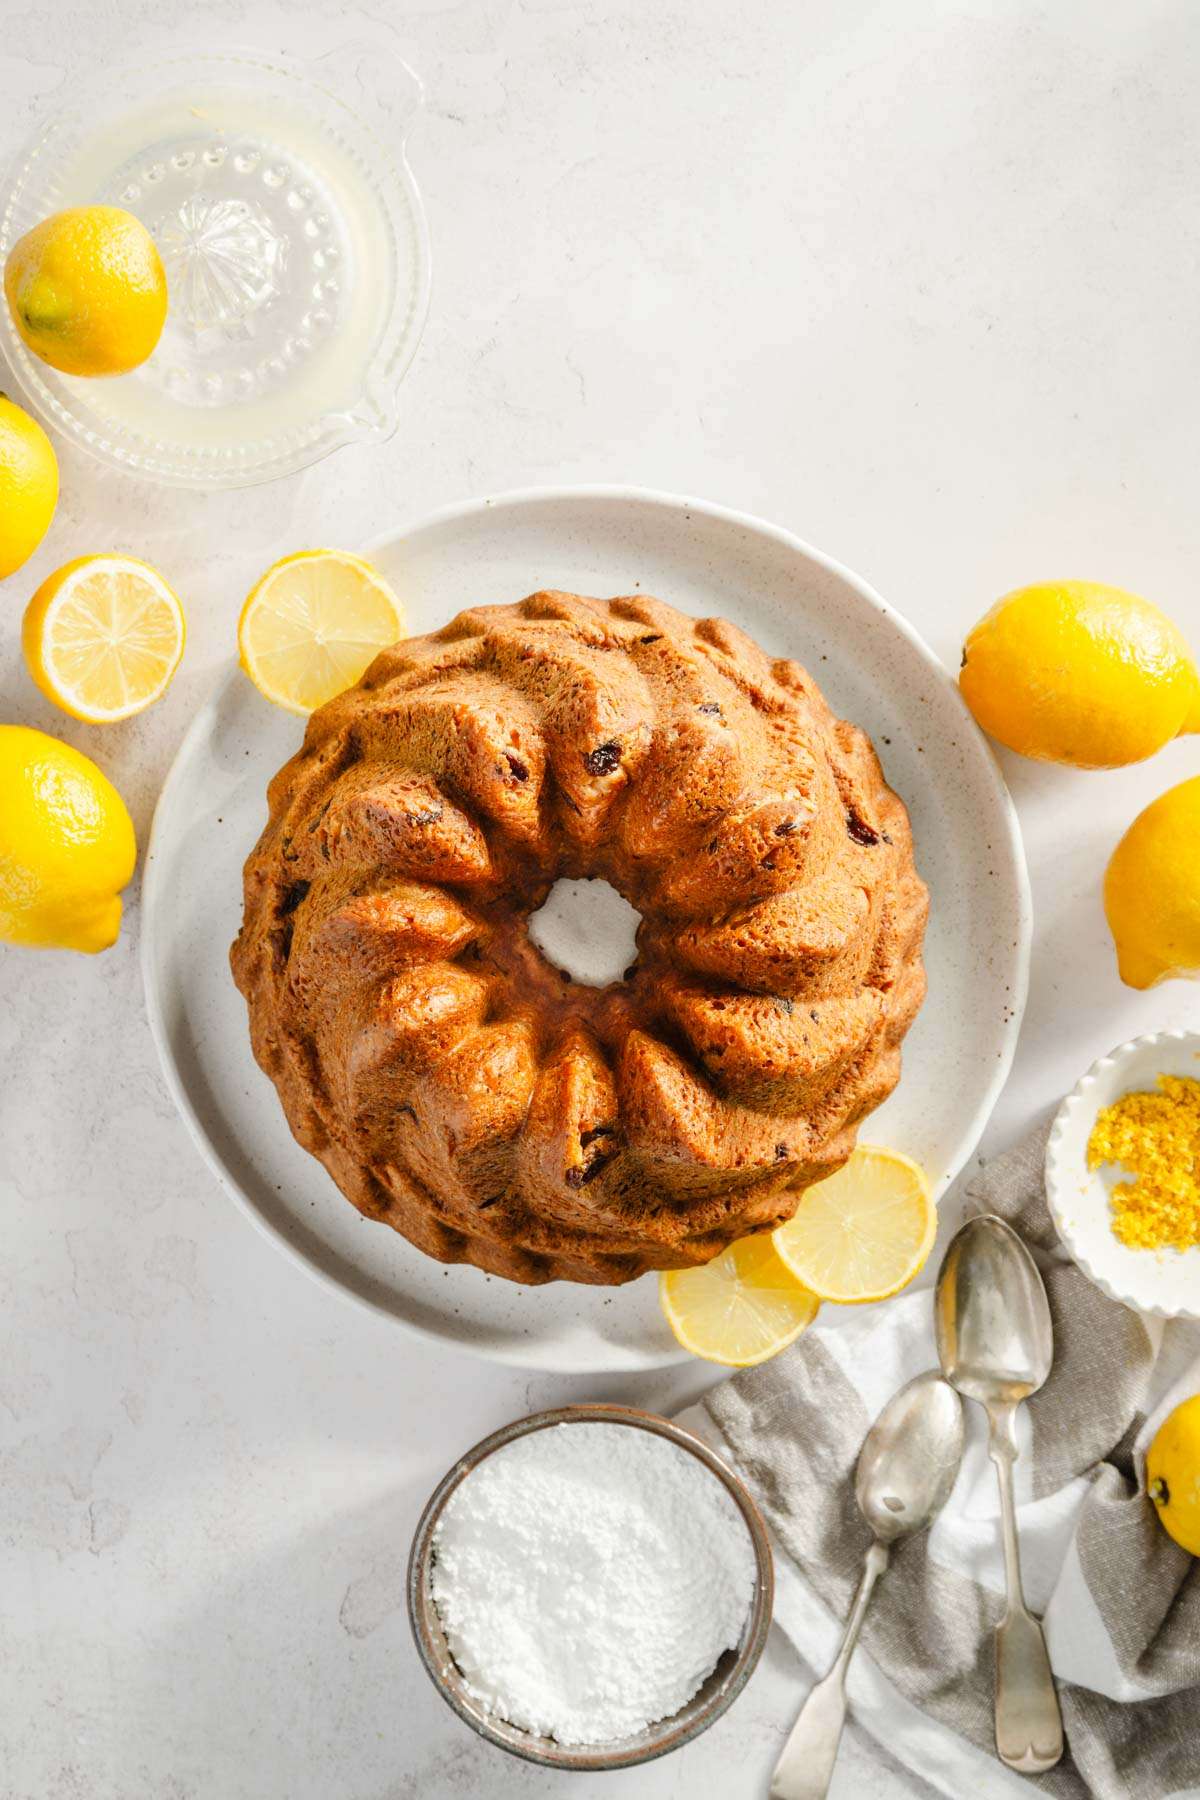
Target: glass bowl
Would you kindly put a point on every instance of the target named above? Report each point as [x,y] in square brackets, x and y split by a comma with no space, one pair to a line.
[296,250]
[716,1694]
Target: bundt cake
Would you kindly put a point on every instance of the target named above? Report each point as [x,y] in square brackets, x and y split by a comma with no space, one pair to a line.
[464,1091]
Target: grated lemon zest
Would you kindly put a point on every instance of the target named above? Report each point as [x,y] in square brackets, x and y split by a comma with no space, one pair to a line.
[1156,1136]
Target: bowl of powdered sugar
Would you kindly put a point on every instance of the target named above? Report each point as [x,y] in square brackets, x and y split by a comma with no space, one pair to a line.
[590,1587]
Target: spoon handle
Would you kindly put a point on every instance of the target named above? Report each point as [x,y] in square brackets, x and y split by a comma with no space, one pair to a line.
[1029,1733]
[805,1769]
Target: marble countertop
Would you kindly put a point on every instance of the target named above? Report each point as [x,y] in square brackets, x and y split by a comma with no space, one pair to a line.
[913,279]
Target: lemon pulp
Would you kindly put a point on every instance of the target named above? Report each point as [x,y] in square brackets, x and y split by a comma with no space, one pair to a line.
[103,637]
[739,1309]
[312,625]
[863,1233]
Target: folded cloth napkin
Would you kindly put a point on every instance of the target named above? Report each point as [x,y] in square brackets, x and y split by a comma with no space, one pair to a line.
[1121,1601]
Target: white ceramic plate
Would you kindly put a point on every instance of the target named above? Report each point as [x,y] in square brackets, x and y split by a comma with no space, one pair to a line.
[1166,1282]
[704,559]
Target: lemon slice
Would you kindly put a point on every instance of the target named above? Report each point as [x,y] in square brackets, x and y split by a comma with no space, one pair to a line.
[313,624]
[103,636]
[738,1309]
[863,1233]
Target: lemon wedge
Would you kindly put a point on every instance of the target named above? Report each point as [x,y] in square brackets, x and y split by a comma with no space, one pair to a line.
[103,637]
[863,1233]
[738,1309]
[312,625]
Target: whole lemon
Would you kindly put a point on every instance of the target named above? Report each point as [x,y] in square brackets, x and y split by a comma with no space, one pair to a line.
[87,291]
[66,845]
[1073,672]
[1152,890]
[1173,1474]
[28,486]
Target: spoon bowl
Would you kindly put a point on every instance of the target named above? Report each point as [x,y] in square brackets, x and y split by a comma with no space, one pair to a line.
[994,1334]
[910,1457]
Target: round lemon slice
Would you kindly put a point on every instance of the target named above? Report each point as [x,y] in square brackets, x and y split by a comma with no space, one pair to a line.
[863,1233]
[103,636]
[312,625]
[738,1309]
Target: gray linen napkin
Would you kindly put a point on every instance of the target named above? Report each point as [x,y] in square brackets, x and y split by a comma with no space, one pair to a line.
[1121,1601]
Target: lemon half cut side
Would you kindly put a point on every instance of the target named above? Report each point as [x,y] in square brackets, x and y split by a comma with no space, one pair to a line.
[103,637]
[739,1309]
[312,625]
[863,1233]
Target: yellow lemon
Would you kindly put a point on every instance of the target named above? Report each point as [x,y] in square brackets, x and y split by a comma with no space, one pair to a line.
[103,637]
[1073,672]
[66,845]
[738,1309]
[87,291]
[1152,890]
[312,624]
[863,1233]
[1173,1474]
[28,486]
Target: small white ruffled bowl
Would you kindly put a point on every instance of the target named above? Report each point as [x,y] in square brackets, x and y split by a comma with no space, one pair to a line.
[1164,1282]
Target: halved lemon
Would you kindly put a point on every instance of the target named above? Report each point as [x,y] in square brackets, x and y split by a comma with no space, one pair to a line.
[740,1308]
[103,636]
[863,1233]
[312,625]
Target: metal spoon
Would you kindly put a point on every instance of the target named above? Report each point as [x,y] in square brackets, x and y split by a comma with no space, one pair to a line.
[996,1344]
[906,1469]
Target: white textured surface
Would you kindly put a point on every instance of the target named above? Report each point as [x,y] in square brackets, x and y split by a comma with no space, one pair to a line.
[911,279]
[588,929]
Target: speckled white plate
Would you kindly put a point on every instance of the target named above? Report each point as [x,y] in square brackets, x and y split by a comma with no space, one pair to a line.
[704,559]
[1166,1282]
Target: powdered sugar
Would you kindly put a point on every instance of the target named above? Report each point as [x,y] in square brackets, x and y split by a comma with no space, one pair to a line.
[588,1578]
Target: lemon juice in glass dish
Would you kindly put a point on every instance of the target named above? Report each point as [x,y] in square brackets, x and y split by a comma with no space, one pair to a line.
[295,246]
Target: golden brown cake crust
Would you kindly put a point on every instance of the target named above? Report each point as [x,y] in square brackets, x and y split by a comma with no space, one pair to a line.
[462,1090]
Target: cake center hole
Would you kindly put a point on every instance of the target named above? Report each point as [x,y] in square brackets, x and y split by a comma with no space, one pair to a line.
[587,929]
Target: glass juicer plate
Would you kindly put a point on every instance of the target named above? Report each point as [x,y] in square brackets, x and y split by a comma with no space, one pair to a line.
[296,251]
